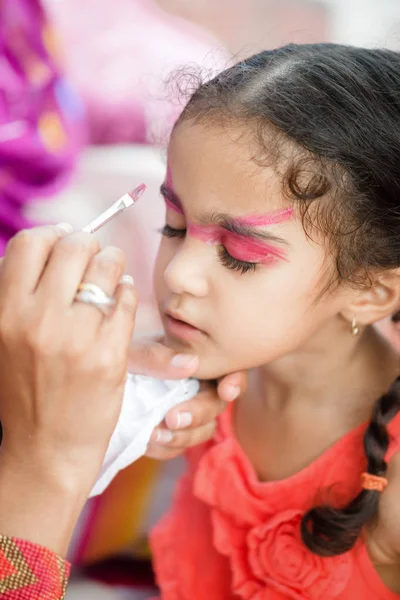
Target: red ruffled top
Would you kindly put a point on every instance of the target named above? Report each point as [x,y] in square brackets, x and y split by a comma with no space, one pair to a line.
[229,536]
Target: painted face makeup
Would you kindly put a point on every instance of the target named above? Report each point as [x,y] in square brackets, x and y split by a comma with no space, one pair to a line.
[167,191]
[240,244]
[173,204]
[273,218]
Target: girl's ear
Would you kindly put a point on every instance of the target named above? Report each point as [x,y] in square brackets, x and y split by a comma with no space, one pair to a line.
[380,300]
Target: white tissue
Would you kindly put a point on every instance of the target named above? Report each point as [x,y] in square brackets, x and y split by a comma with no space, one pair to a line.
[145,404]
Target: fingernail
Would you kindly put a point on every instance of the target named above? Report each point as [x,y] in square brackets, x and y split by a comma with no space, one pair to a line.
[183,419]
[127,280]
[65,227]
[184,361]
[164,436]
[232,392]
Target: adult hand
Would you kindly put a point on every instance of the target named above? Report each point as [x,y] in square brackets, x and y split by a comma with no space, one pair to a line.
[194,421]
[62,376]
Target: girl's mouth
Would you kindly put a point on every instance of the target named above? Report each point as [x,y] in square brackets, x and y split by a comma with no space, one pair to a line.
[181,329]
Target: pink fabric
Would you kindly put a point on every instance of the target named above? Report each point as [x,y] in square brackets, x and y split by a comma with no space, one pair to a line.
[119,55]
[42,125]
[230,536]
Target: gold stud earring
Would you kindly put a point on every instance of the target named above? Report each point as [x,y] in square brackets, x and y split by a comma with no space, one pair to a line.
[355,330]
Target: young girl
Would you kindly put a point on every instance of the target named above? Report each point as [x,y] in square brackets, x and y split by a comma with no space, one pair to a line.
[281,250]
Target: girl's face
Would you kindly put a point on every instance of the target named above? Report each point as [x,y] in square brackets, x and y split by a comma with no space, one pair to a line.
[236,277]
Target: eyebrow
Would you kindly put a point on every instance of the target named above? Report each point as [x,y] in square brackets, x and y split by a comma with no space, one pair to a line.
[233,225]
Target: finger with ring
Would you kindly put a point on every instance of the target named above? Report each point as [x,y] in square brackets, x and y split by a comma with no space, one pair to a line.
[101,280]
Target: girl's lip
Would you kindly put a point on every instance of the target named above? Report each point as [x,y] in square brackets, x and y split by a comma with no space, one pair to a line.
[181,329]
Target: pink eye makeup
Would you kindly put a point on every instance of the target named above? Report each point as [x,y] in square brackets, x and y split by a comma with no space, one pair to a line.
[170,198]
[251,250]
[273,218]
[241,244]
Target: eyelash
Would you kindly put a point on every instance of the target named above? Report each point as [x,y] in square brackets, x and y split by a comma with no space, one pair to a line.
[226,259]
[171,232]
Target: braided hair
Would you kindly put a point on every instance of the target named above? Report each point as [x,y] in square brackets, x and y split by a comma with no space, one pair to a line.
[329,531]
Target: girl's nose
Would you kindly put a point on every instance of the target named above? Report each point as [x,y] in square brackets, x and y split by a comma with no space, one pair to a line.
[187,271]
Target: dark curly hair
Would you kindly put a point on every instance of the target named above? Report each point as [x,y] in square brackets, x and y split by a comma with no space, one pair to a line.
[329,117]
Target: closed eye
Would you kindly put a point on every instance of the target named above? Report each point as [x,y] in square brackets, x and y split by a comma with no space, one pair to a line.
[234,264]
[171,232]
[225,258]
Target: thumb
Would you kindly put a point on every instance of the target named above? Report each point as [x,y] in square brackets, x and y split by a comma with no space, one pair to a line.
[154,359]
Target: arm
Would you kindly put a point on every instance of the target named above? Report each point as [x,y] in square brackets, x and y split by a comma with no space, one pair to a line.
[38,505]
[44,515]
[62,376]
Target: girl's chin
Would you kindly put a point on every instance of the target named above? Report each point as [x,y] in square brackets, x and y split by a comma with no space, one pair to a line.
[209,367]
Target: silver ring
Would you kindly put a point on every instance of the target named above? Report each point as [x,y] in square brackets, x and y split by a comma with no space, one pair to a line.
[90,293]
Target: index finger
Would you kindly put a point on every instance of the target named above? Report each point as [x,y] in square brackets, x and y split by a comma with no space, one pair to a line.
[26,256]
[154,359]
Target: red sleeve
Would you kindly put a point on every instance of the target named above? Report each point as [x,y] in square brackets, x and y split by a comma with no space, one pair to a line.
[31,572]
